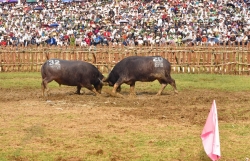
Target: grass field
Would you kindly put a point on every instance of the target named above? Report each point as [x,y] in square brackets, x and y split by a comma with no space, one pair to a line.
[69,127]
[185,81]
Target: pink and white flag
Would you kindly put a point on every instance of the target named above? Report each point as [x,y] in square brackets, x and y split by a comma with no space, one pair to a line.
[210,135]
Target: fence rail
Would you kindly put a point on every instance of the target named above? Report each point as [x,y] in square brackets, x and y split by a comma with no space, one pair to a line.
[196,59]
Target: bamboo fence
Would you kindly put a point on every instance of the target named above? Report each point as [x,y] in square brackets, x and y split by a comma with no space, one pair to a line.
[196,59]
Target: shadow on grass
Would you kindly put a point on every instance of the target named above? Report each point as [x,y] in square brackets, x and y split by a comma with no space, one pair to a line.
[32,131]
[203,156]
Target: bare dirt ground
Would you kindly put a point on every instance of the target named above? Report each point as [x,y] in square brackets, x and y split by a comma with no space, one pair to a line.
[106,113]
[190,106]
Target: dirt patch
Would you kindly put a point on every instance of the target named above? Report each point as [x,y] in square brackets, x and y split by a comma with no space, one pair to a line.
[32,117]
[188,106]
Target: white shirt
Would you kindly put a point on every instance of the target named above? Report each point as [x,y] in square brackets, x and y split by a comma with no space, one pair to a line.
[140,41]
[159,22]
[38,40]
[239,38]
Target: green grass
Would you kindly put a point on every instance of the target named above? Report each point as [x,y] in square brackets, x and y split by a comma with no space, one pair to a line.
[183,82]
[22,80]
[211,81]
[140,146]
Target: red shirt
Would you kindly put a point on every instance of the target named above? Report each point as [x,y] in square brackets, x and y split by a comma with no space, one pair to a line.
[65,37]
[164,16]
[3,43]
[106,34]
[87,40]
[89,34]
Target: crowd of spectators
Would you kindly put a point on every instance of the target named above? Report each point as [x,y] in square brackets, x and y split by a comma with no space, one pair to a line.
[125,22]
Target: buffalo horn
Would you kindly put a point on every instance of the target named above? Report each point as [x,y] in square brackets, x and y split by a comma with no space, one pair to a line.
[102,82]
[104,79]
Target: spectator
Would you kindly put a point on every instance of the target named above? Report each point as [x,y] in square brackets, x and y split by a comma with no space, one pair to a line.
[4,41]
[38,40]
[51,41]
[112,21]
[198,39]
[72,40]
[204,39]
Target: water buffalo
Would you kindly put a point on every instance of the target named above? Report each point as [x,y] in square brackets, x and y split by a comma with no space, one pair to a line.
[140,68]
[72,73]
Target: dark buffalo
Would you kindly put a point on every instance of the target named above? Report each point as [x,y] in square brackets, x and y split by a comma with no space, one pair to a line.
[72,73]
[138,68]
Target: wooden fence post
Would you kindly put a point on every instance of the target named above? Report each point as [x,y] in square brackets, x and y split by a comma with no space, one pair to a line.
[226,59]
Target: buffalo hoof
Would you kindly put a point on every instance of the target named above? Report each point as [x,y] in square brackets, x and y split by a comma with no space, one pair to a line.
[78,93]
[175,91]
[117,95]
[97,94]
[114,94]
[158,94]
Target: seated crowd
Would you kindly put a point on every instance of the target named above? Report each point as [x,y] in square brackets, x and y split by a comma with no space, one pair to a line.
[128,23]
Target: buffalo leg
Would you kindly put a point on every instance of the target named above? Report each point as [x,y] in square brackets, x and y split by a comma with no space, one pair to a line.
[132,88]
[91,88]
[164,82]
[172,83]
[44,84]
[116,86]
[78,89]
[118,89]
[163,85]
